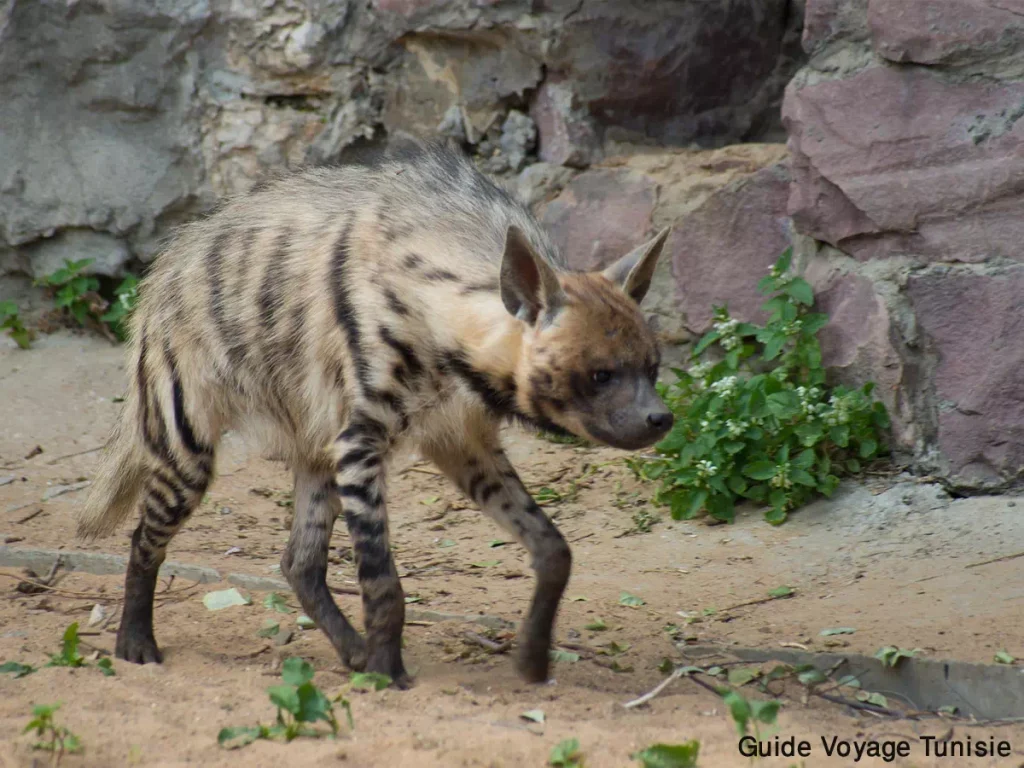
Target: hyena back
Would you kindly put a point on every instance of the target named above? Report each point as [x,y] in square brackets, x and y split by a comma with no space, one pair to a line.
[336,312]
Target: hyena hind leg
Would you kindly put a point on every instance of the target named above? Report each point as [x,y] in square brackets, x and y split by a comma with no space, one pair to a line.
[304,562]
[172,493]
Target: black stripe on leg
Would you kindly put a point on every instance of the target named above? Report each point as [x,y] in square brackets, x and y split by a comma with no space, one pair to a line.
[474,484]
[361,528]
[272,286]
[488,491]
[362,493]
[185,430]
[354,456]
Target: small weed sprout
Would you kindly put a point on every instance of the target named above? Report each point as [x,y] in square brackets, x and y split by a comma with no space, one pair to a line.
[10,321]
[52,737]
[70,657]
[80,295]
[300,705]
[758,421]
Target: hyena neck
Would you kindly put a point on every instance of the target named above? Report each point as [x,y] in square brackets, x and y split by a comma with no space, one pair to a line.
[491,351]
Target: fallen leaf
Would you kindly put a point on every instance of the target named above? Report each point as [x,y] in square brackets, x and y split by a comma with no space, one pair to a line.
[225,598]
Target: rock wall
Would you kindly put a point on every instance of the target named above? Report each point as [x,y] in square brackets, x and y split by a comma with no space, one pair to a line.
[119,118]
[908,173]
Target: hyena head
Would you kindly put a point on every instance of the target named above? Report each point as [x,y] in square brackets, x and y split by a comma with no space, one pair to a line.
[589,359]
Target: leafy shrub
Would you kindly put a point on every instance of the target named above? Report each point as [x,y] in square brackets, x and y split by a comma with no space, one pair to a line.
[754,417]
[81,296]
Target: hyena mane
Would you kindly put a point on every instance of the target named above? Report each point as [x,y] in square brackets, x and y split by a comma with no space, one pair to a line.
[338,312]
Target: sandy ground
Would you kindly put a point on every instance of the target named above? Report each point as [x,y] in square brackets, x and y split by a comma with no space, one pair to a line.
[888,558]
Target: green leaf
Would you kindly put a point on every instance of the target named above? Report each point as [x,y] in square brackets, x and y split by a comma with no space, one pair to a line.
[669,755]
[785,259]
[68,656]
[16,668]
[760,470]
[837,631]
[721,507]
[106,667]
[840,435]
[739,708]
[814,322]
[533,715]
[314,706]
[225,598]
[852,466]
[275,602]
[304,622]
[804,459]
[809,675]
[498,543]
[803,477]
[890,655]
[567,656]
[868,448]
[485,564]
[737,484]
[765,711]
[284,697]
[370,681]
[777,498]
[784,404]
[740,676]
[597,625]
[269,629]
[296,671]
[706,341]
[773,346]
[783,591]
[800,291]
[685,506]
[629,600]
[775,516]
[1002,657]
[237,737]
[566,754]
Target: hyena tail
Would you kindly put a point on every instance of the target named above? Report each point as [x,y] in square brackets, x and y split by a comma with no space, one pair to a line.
[120,480]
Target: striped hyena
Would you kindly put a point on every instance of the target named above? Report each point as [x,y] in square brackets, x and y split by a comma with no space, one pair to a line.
[338,311]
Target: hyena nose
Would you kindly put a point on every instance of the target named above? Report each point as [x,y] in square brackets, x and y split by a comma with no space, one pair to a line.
[660,420]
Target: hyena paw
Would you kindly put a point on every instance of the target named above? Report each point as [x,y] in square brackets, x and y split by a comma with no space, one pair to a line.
[137,646]
[387,661]
[533,664]
[354,654]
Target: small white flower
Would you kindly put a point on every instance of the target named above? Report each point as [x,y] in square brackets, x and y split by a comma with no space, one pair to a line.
[724,386]
[705,468]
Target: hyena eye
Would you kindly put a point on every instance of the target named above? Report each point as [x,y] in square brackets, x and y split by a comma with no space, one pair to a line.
[601,377]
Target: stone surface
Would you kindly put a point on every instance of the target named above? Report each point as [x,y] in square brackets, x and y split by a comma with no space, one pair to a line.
[720,250]
[973,323]
[600,215]
[826,21]
[122,119]
[897,161]
[657,68]
[945,31]
[567,133]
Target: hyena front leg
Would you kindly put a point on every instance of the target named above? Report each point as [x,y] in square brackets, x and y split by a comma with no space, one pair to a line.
[304,562]
[360,480]
[487,477]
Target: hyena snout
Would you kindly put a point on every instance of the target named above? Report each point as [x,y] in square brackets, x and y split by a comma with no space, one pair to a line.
[637,418]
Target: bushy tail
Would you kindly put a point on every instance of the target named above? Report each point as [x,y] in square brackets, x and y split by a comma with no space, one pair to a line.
[119,480]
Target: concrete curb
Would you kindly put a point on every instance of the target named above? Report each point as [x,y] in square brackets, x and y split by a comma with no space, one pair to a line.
[984,691]
[102,564]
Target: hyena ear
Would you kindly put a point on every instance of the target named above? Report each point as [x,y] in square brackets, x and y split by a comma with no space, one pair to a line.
[529,286]
[633,272]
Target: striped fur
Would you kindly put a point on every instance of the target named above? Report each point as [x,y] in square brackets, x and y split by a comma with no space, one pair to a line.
[335,313]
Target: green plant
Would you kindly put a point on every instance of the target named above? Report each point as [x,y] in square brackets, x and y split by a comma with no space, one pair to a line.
[52,737]
[72,289]
[566,754]
[891,656]
[11,322]
[754,417]
[748,713]
[669,755]
[300,705]
[126,294]
[70,657]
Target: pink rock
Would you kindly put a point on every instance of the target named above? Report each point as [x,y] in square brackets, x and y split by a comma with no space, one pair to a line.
[601,215]
[720,250]
[828,20]
[898,161]
[566,132]
[859,344]
[974,325]
[937,31]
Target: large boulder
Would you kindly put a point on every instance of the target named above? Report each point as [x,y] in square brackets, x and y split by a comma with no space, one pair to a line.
[892,161]
[973,322]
